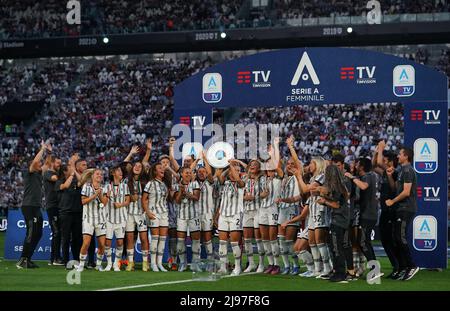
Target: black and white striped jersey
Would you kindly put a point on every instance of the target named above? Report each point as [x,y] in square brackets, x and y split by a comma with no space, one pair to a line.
[232,200]
[135,208]
[254,187]
[157,195]
[206,202]
[118,193]
[188,208]
[289,189]
[94,211]
[273,186]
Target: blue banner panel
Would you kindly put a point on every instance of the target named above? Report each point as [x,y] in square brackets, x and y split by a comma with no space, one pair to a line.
[320,76]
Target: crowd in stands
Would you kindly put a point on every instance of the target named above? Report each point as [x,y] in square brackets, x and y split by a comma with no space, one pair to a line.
[112,106]
[322,8]
[43,19]
[330,129]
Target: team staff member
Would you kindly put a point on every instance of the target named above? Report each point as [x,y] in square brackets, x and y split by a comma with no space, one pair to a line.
[384,164]
[338,160]
[51,206]
[335,196]
[66,187]
[368,202]
[31,208]
[406,200]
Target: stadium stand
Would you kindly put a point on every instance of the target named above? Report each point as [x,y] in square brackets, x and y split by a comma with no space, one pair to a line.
[43,19]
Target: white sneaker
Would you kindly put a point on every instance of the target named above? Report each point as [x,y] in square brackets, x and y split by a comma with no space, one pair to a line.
[260,269]
[236,272]
[317,273]
[80,268]
[307,274]
[250,268]
[161,268]
[116,267]
[108,267]
[99,268]
[154,268]
[182,267]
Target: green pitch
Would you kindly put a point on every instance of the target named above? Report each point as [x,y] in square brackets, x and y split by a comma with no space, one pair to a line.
[54,279]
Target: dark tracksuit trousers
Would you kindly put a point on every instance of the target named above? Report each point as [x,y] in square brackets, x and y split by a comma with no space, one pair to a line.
[402,221]
[366,245]
[33,221]
[386,226]
[71,235]
[53,218]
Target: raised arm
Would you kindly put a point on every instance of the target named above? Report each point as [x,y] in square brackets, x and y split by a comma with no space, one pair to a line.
[290,144]
[34,166]
[209,176]
[174,163]
[134,150]
[148,150]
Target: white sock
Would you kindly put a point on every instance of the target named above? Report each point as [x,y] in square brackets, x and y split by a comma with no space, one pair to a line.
[145,256]
[161,248]
[108,253]
[195,250]
[119,251]
[130,253]
[82,259]
[209,249]
[237,254]
[284,251]
[153,249]
[181,250]
[261,251]
[275,251]
[99,259]
[307,259]
[316,256]
[325,254]
[223,252]
[290,246]
[249,251]
[268,250]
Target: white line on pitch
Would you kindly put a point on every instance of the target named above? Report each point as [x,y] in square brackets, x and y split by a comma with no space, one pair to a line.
[163,283]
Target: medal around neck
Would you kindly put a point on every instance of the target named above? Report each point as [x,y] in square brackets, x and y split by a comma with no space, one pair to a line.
[219,154]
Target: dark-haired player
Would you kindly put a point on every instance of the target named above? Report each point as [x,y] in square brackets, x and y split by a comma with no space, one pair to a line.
[367,183]
[406,200]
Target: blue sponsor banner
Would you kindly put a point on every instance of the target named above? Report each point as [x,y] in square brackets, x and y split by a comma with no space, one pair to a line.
[319,76]
[15,235]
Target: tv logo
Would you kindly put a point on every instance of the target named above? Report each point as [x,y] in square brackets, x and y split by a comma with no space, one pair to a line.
[212,87]
[198,122]
[260,78]
[431,116]
[365,74]
[429,194]
[404,80]
[425,155]
[305,62]
[425,233]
